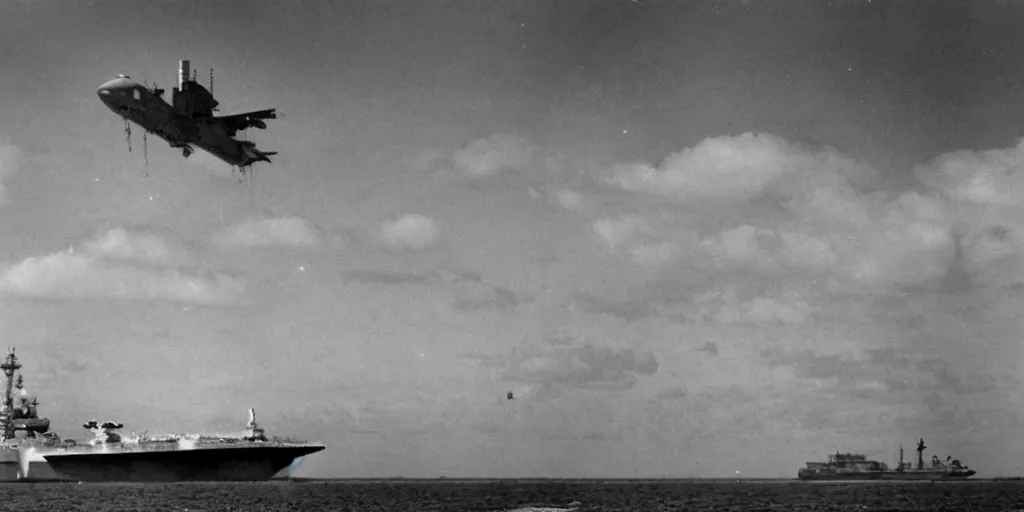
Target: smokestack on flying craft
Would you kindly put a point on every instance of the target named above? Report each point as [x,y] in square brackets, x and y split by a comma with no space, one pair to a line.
[182,74]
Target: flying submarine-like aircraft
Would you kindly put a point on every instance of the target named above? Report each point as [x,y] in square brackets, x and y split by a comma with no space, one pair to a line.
[188,120]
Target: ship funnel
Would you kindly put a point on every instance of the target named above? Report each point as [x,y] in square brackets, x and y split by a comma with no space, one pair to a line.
[182,74]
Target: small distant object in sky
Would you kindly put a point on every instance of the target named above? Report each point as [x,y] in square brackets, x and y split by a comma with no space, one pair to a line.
[511,396]
[188,120]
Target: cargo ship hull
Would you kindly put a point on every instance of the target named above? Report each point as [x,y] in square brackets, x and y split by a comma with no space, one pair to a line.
[200,464]
[887,475]
[855,466]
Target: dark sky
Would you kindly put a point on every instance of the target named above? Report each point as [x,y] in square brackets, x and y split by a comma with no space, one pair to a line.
[905,79]
[563,198]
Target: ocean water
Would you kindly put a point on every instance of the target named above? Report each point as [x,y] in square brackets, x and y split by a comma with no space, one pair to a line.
[517,495]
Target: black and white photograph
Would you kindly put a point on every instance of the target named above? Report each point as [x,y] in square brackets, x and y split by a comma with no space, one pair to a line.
[511,255]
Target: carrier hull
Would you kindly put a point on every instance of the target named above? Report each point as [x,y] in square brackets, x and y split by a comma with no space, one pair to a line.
[29,451]
[18,464]
[10,464]
[248,463]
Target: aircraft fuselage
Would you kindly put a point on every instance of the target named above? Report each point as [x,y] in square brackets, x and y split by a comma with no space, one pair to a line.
[140,105]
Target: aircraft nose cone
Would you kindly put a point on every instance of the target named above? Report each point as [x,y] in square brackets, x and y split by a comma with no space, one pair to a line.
[107,88]
[107,94]
[112,90]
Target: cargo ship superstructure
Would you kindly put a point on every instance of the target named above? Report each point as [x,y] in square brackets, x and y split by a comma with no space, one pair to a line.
[29,451]
[852,466]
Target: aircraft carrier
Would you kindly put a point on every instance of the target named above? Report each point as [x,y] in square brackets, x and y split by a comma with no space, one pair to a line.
[29,451]
[852,466]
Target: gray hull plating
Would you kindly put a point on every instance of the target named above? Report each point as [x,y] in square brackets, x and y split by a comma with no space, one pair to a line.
[200,464]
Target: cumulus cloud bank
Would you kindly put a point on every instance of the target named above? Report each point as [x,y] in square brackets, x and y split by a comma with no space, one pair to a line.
[269,232]
[117,243]
[853,289]
[985,190]
[411,231]
[807,213]
[117,264]
[737,168]
[646,239]
[989,177]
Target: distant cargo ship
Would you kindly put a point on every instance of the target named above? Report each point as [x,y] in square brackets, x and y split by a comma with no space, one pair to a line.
[851,466]
[29,451]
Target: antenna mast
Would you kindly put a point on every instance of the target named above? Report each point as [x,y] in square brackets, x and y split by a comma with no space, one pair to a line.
[211,81]
[9,366]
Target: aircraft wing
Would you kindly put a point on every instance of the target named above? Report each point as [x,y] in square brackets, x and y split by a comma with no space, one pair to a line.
[238,122]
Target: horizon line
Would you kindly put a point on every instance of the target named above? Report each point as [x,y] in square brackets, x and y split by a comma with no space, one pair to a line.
[595,479]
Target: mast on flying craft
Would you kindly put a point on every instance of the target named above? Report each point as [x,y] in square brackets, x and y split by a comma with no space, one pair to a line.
[190,98]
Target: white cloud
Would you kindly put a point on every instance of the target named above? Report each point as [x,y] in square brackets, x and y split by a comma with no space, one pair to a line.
[991,177]
[897,247]
[812,219]
[616,232]
[797,262]
[646,239]
[490,155]
[66,275]
[985,198]
[570,200]
[118,243]
[10,161]
[266,232]
[116,264]
[412,231]
[801,258]
[738,168]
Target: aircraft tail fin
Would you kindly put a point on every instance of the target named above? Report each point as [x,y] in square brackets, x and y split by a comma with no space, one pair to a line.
[263,156]
[254,155]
